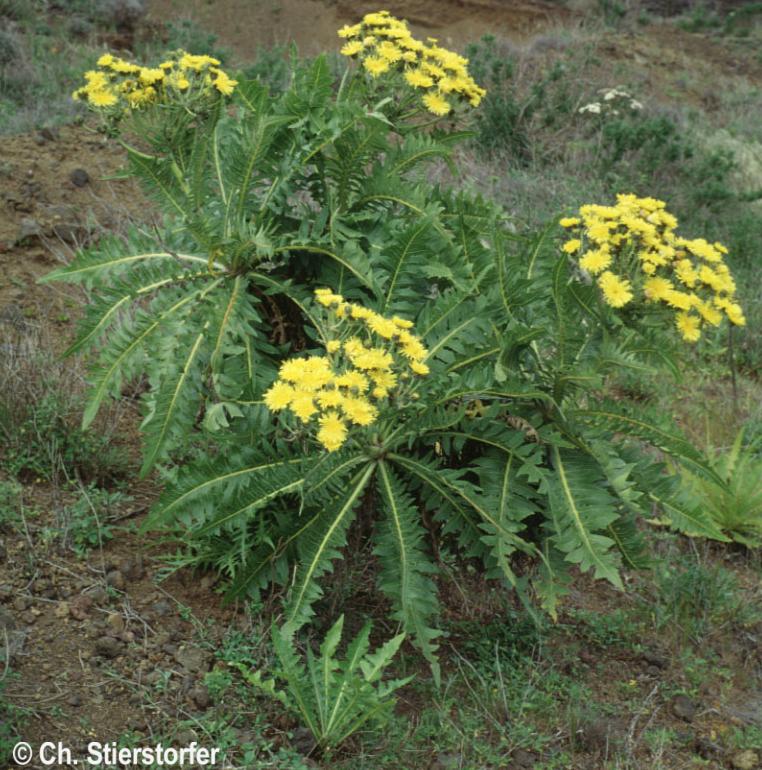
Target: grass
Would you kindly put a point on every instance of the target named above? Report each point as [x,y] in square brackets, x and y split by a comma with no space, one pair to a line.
[40,407]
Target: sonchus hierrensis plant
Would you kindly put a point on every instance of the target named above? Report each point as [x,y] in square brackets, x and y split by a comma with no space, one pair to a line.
[326,333]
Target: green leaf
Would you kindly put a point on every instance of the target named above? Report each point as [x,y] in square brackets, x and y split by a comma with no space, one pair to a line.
[405,570]
[174,394]
[582,508]
[318,547]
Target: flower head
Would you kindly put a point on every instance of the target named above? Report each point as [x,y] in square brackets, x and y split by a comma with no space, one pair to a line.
[634,250]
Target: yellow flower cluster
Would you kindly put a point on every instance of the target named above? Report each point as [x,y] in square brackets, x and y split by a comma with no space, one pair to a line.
[122,85]
[636,238]
[344,387]
[384,44]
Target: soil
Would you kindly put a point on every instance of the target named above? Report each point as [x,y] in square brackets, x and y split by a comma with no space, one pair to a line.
[101,646]
[244,25]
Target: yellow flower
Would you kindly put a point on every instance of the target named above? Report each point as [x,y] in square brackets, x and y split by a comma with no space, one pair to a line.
[412,347]
[333,431]
[352,48]
[419,368]
[599,231]
[358,410]
[616,291]
[96,80]
[735,314]
[106,60]
[352,379]
[436,104]
[124,67]
[140,96]
[332,346]
[363,313]
[327,298]
[595,261]
[383,379]
[389,51]
[678,299]
[571,246]
[433,69]
[149,76]
[372,358]
[689,326]
[384,327]
[102,98]
[197,62]
[657,288]
[315,373]
[376,65]
[303,405]
[377,19]
[330,398]
[418,79]
[350,31]
[278,396]
[223,83]
[709,313]
[685,273]
[569,221]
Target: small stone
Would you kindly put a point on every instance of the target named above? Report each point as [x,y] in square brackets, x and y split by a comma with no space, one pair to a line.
[186,737]
[62,610]
[200,696]
[74,700]
[135,567]
[655,659]
[115,623]
[304,742]
[208,582]
[522,758]
[193,659]
[152,677]
[115,579]
[745,760]
[79,177]
[161,608]
[684,708]
[20,603]
[29,228]
[80,605]
[108,647]
[98,595]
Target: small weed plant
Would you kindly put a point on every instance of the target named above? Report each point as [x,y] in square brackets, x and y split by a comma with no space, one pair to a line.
[735,500]
[334,697]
